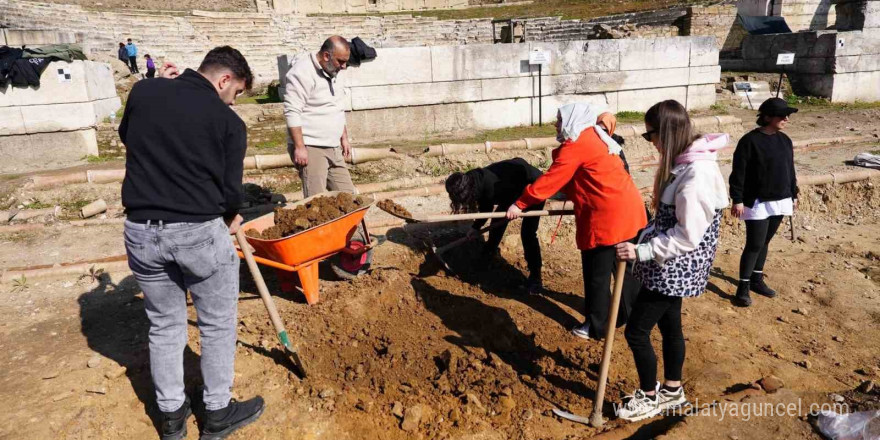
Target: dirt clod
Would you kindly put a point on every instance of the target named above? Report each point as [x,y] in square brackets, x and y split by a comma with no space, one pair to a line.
[412,418]
[94,361]
[397,410]
[316,212]
[771,384]
[115,372]
[390,207]
[866,386]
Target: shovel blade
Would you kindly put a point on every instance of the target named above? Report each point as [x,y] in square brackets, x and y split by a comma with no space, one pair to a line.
[292,354]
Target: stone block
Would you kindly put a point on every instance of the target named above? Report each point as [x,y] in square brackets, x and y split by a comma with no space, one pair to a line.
[704,51]
[11,121]
[412,5]
[51,89]
[522,87]
[582,56]
[551,104]
[700,96]
[99,80]
[813,65]
[851,87]
[479,61]
[58,117]
[857,43]
[402,95]
[642,100]
[633,80]
[105,107]
[45,151]
[852,64]
[284,6]
[382,124]
[405,65]
[659,53]
[705,75]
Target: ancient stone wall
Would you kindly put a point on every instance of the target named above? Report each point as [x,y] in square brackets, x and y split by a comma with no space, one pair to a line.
[718,21]
[448,88]
[800,15]
[842,66]
[54,125]
[649,24]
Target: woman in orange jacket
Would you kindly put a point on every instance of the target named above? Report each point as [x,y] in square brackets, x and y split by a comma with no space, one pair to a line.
[608,207]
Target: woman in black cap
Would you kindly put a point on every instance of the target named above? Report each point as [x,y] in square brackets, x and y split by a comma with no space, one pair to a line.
[763,186]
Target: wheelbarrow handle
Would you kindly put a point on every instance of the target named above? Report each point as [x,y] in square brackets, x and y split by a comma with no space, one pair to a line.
[267,262]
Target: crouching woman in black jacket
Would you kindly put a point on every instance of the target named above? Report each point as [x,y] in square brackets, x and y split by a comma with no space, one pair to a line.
[763,186]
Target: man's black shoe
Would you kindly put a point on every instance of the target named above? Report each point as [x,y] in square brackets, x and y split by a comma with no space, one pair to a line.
[221,423]
[174,423]
[758,285]
[742,295]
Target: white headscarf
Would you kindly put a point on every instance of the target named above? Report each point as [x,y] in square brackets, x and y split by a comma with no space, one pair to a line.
[578,117]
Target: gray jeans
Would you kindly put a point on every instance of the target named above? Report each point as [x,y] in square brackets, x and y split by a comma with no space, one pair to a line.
[168,260]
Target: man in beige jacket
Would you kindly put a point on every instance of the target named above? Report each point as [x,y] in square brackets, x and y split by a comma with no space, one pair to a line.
[315,114]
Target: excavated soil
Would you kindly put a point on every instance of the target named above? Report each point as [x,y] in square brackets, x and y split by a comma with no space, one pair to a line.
[393,208]
[316,212]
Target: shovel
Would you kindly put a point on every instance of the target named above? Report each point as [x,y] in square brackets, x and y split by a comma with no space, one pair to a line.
[289,348]
[596,418]
[438,252]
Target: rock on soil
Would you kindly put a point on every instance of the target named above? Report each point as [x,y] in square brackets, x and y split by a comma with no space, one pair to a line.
[412,418]
[316,212]
[771,384]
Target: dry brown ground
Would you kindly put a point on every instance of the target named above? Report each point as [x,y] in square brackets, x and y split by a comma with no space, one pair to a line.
[389,336]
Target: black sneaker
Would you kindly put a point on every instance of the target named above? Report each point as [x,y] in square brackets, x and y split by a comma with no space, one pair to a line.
[534,286]
[221,423]
[742,295]
[174,423]
[758,285]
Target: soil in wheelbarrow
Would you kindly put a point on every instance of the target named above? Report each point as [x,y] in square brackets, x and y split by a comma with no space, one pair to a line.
[318,211]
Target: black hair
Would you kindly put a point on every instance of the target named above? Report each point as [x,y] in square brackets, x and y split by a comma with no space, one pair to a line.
[762,120]
[227,57]
[463,190]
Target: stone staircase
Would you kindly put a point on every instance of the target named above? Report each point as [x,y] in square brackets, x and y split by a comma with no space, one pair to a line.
[184,38]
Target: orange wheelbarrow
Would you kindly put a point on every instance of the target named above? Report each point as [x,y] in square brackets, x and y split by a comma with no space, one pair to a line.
[301,252]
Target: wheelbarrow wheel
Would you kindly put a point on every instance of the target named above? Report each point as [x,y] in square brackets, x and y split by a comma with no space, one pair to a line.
[348,266]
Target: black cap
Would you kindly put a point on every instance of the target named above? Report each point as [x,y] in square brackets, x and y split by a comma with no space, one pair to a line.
[776,107]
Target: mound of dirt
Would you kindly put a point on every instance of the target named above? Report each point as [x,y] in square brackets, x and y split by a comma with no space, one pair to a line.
[316,212]
[393,208]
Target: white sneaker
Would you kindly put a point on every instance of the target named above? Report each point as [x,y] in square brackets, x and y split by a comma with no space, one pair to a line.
[582,331]
[638,406]
[667,400]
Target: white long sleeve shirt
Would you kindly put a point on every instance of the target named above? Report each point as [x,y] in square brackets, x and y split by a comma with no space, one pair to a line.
[314,101]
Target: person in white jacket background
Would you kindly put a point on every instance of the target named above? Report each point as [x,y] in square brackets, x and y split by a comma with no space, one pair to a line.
[674,252]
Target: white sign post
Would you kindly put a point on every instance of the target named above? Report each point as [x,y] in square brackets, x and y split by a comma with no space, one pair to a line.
[540,58]
[783,59]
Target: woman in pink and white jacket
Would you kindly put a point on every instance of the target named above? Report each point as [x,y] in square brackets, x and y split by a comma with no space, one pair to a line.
[674,253]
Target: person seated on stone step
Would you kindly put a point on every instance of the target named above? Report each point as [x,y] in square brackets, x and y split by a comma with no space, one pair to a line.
[315,113]
[608,207]
[495,188]
[763,186]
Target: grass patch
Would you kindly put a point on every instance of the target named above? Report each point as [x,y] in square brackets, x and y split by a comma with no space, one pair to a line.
[568,9]
[814,103]
[719,109]
[630,117]
[97,159]
[265,98]
[273,139]
[36,204]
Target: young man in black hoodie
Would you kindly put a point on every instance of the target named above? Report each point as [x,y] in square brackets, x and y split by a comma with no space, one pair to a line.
[184,162]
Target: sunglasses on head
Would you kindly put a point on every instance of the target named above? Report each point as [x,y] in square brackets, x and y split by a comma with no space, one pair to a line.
[647,135]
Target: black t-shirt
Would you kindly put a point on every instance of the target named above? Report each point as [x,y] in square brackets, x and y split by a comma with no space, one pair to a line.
[763,168]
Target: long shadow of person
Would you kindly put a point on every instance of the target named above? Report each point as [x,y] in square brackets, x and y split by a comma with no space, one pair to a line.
[493,329]
[115,324]
[712,287]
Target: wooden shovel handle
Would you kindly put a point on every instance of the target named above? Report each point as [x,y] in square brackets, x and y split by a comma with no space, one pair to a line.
[596,418]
